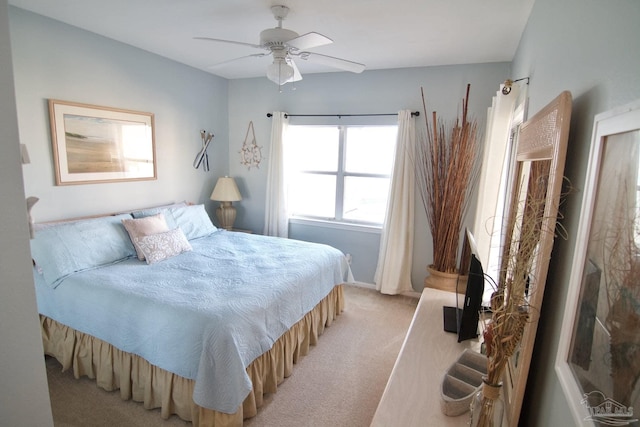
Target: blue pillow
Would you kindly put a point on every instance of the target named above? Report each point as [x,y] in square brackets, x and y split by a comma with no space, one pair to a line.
[154,211]
[61,250]
[193,220]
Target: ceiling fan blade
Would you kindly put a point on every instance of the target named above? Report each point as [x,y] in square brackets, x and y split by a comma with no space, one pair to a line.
[331,61]
[255,55]
[229,41]
[296,73]
[309,40]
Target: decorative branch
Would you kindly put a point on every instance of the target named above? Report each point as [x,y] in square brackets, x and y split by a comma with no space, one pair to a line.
[446,167]
[510,302]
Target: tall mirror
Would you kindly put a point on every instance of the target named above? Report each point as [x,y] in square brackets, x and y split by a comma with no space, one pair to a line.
[598,360]
[532,209]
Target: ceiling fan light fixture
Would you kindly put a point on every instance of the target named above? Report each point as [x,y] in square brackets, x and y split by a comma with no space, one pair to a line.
[283,44]
[280,72]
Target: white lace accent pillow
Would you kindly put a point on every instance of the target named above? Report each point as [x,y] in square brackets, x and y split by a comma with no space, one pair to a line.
[141,227]
[158,247]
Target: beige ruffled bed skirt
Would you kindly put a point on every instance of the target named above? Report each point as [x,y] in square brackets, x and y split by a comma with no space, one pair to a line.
[139,380]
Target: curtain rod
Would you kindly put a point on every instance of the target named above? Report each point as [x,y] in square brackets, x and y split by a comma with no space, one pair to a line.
[413,113]
[506,88]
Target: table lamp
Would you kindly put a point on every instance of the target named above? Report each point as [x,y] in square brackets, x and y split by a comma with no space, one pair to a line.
[226,191]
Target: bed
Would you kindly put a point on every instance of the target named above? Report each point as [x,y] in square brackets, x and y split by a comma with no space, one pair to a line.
[197,321]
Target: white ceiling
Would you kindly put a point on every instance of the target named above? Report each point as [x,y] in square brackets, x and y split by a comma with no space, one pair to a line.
[378,33]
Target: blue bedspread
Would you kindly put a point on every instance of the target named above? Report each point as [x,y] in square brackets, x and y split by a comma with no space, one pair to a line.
[204,315]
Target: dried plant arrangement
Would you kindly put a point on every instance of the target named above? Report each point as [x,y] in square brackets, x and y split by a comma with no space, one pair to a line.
[446,166]
[510,306]
[510,314]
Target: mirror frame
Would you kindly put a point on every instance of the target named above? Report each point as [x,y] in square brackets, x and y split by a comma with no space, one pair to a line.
[544,137]
[620,120]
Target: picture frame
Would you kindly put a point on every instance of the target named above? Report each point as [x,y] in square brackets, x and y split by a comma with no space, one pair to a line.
[94,144]
[598,357]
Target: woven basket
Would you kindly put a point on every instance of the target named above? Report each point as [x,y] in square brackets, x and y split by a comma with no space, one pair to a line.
[461,382]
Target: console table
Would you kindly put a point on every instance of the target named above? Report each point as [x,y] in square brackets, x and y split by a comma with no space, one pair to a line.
[412,395]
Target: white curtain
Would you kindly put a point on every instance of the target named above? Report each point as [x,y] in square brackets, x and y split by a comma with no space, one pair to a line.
[276,222]
[495,156]
[393,273]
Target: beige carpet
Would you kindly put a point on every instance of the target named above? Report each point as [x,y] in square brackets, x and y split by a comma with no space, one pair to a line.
[339,383]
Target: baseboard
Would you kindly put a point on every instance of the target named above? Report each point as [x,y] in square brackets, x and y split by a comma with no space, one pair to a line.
[363,285]
[412,294]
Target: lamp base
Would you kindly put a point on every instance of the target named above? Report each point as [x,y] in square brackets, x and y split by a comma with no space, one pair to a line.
[226,214]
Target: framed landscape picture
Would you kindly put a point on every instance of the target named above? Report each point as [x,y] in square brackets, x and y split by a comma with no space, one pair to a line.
[93,144]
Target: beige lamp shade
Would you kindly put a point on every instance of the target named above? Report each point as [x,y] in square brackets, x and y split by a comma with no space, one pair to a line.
[226,191]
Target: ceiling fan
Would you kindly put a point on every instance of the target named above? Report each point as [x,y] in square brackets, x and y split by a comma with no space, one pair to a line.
[285,45]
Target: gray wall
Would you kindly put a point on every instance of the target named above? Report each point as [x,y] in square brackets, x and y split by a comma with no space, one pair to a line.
[94,70]
[382,91]
[24,399]
[55,60]
[591,49]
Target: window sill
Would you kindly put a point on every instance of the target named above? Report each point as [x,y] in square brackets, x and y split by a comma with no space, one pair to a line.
[349,226]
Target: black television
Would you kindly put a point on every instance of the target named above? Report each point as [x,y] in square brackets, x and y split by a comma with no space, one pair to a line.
[464,321]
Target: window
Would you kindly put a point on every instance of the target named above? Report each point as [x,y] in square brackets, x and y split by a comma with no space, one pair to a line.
[340,173]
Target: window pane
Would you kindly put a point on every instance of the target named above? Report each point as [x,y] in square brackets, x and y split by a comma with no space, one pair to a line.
[370,149]
[365,199]
[313,148]
[313,195]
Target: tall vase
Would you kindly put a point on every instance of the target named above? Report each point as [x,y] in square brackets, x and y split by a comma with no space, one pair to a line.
[445,281]
[487,407]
